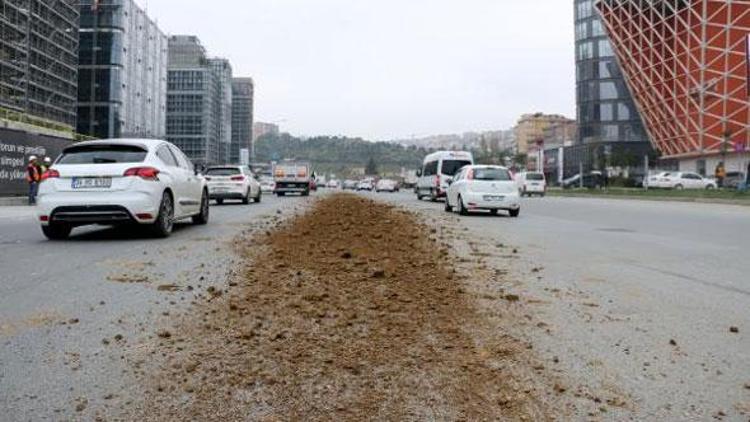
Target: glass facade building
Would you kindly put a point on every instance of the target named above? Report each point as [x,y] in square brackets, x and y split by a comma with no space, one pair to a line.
[223,75]
[605,108]
[194,101]
[242,118]
[38,60]
[122,72]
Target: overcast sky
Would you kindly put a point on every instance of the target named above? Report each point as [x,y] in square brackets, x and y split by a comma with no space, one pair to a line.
[384,69]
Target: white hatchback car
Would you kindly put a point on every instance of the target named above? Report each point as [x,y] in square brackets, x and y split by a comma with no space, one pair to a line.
[531,183]
[110,182]
[232,182]
[483,188]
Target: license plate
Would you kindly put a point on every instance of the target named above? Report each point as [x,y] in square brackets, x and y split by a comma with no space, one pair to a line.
[91,182]
[493,198]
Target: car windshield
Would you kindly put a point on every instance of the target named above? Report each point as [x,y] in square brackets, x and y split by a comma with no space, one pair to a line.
[223,171]
[534,176]
[103,154]
[451,167]
[492,174]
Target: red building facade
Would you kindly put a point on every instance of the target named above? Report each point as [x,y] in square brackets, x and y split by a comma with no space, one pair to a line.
[687,65]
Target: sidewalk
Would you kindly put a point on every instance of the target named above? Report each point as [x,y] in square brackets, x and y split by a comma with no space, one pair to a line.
[6,201]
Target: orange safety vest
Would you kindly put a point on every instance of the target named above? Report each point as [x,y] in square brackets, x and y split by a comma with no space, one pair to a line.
[32,173]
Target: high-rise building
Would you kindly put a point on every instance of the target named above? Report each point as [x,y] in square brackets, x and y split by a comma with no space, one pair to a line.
[193,101]
[222,71]
[242,119]
[688,66]
[38,60]
[606,112]
[261,129]
[122,88]
[529,130]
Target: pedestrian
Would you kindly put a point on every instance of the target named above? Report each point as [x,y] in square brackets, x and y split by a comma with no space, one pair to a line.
[46,164]
[720,174]
[33,177]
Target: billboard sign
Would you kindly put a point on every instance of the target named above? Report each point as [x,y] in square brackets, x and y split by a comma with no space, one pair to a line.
[15,149]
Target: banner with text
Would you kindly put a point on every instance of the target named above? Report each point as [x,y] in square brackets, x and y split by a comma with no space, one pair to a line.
[15,149]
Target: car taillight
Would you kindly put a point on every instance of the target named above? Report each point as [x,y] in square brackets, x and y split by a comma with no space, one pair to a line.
[145,173]
[237,178]
[50,174]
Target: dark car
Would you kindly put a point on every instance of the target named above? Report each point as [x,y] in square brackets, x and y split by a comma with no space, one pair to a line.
[593,180]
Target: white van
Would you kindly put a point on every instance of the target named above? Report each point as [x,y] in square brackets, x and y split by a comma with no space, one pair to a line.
[531,183]
[437,170]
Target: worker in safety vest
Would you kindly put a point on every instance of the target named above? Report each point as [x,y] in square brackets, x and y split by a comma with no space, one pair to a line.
[46,164]
[33,177]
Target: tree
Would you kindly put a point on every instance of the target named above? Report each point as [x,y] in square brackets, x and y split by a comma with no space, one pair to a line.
[371,169]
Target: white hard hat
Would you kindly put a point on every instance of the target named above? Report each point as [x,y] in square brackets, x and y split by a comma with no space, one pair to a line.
[32,158]
[47,160]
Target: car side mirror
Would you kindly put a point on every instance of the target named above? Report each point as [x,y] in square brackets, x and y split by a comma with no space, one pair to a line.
[419,173]
[450,182]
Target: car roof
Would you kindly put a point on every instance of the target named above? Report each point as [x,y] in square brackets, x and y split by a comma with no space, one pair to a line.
[449,154]
[147,143]
[485,166]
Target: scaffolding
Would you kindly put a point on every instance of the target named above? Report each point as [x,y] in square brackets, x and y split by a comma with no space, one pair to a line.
[39,59]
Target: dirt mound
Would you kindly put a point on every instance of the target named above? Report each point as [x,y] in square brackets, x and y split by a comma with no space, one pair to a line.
[350,312]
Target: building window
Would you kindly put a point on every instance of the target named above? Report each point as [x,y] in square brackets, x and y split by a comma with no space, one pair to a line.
[606,112]
[605,49]
[610,133]
[596,28]
[623,112]
[607,91]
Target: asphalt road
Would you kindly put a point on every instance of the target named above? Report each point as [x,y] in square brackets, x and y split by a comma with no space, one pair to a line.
[63,305]
[637,298]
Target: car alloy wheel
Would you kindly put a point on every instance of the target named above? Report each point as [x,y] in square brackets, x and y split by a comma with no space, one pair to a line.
[202,218]
[164,223]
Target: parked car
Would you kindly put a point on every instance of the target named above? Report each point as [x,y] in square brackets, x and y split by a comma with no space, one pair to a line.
[123,181]
[232,182]
[267,184]
[734,179]
[438,170]
[531,183]
[657,180]
[386,185]
[333,184]
[686,180]
[350,185]
[592,180]
[365,185]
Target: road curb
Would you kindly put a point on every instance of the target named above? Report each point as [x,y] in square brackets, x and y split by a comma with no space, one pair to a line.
[10,201]
[656,199]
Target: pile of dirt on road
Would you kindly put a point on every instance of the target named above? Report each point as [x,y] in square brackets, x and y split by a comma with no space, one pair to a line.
[351,311]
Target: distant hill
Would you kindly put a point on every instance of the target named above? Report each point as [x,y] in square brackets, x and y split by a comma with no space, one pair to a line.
[340,155]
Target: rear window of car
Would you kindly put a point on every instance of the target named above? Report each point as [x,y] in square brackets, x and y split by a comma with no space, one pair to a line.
[451,167]
[492,174]
[103,154]
[534,176]
[223,171]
